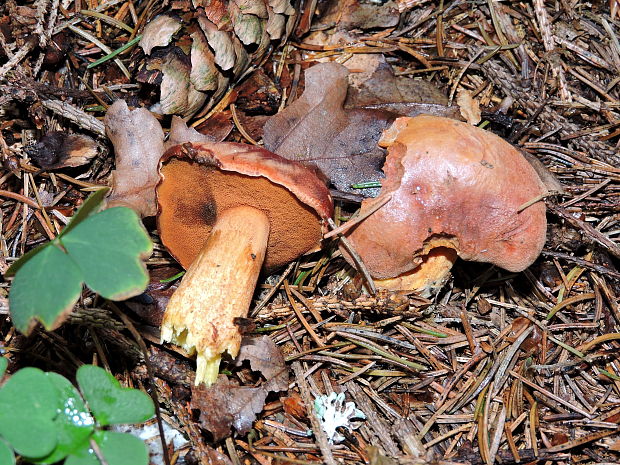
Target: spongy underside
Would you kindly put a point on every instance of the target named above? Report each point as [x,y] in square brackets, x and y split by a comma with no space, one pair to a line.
[189,207]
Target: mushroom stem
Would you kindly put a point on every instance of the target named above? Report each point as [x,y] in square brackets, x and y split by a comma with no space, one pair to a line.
[428,277]
[216,289]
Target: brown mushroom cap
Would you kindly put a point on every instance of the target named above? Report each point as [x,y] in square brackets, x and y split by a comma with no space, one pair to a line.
[452,185]
[200,180]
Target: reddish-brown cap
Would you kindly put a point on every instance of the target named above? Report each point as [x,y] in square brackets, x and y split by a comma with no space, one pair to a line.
[453,185]
[200,180]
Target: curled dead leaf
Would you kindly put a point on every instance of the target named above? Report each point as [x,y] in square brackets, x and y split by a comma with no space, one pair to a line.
[294,406]
[266,357]
[138,141]
[159,32]
[469,107]
[180,133]
[226,404]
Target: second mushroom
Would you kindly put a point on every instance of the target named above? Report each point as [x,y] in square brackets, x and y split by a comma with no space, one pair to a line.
[227,211]
[450,190]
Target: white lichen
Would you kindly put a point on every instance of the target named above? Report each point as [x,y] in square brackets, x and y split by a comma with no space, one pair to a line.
[334,413]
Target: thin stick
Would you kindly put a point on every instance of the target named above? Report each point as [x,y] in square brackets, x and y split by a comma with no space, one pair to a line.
[358,219]
[319,434]
[21,198]
[357,259]
[233,111]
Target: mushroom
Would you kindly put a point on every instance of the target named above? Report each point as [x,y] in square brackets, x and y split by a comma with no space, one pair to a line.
[226,211]
[454,189]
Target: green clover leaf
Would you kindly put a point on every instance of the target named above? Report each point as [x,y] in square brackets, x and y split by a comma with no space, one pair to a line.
[116,449]
[110,403]
[45,288]
[7,457]
[114,267]
[28,406]
[73,423]
[103,250]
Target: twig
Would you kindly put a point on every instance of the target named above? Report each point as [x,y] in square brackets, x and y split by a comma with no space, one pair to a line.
[357,259]
[17,57]
[317,429]
[592,233]
[359,218]
[75,115]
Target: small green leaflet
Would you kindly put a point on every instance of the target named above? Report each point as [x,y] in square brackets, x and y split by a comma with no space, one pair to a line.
[116,449]
[27,410]
[102,249]
[110,403]
[73,422]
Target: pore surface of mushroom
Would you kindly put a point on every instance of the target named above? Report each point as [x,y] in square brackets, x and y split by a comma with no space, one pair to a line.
[226,211]
[454,187]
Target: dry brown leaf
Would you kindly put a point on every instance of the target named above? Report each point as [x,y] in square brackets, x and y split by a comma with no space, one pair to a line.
[216,11]
[221,43]
[355,14]
[316,129]
[138,141]
[226,404]
[469,106]
[282,7]
[276,25]
[203,75]
[178,95]
[252,7]
[266,357]
[159,32]
[373,82]
[340,142]
[294,405]
[180,134]
[247,27]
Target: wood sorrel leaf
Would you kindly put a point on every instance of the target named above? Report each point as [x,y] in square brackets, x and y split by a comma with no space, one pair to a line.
[110,403]
[7,457]
[102,249]
[45,288]
[28,403]
[74,424]
[108,248]
[116,449]
[90,206]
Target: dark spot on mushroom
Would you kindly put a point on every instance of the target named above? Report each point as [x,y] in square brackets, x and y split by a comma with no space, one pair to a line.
[208,213]
[253,256]
[486,164]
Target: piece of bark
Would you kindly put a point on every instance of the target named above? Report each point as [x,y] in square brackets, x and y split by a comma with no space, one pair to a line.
[138,141]
[226,404]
